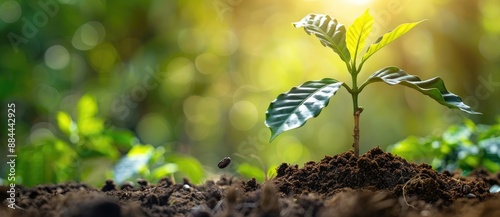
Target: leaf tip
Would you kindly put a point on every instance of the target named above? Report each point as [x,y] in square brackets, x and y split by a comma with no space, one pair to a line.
[273,136]
[474,112]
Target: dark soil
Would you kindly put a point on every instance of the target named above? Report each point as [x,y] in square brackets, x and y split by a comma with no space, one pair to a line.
[374,184]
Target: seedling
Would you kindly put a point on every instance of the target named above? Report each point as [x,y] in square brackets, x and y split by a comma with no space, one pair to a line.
[292,109]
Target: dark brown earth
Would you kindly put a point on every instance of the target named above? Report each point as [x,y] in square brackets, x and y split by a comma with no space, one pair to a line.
[374,184]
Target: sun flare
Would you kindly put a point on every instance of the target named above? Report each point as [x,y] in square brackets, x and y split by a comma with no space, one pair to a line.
[359,2]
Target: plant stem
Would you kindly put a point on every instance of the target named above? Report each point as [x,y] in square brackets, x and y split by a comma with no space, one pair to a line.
[355,144]
[356,110]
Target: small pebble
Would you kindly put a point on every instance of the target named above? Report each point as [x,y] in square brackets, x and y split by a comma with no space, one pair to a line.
[470,195]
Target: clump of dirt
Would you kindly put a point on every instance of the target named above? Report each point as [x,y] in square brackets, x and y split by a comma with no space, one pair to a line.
[376,171]
[374,184]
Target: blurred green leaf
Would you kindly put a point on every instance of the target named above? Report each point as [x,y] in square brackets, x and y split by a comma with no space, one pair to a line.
[122,138]
[97,146]
[457,134]
[491,165]
[141,150]
[271,172]
[65,123]
[433,87]
[190,167]
[133,162]
[388,38]
[94,169]
[416,148]
[50,161]
[250,171]
[293,108]
[87,107]
[165,170]
[459,147]
[87,123]
[329,32]
[358,32]
[90,126]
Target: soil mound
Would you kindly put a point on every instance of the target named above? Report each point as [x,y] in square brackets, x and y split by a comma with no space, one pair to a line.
[376,171]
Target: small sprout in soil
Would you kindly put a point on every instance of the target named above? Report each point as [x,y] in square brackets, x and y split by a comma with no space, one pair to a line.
[292,109]
[224,162]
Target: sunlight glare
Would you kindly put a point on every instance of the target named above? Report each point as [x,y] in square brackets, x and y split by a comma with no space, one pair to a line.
[359,2]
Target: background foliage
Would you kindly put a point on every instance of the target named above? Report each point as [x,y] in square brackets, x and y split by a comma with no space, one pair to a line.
[461,147]
[189,81]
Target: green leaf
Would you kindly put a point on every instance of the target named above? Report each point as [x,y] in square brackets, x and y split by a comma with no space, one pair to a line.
[329,32]
[251,171]
[137,158]
[358,33]
[87,123]
[457,134]
[96,146]
[388,38]
[122,138]
[191,167]
[164,170]
[291,110]
[417,149]
[433,87]
[47,161]
[65,123]
[87,107]
[271,172]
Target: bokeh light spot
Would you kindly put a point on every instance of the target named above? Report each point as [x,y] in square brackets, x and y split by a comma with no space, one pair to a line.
[191,40]
[180,70]
[490,8]
[57,57]
[289,149]
[153,129]
[488,46]
[78,68]
[10,11]
[103,57]
[88,35]
[197,132]
[225,43]
[208,63]
[243,115]
[48,96]
[41,132]
[190,108]
[202,110]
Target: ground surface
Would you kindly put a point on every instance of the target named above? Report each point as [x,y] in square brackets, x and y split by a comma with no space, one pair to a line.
[375,184]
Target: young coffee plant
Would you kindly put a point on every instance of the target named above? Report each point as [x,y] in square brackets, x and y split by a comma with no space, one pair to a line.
[292,109]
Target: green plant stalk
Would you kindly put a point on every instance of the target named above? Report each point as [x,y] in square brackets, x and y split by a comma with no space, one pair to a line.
[356,108]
